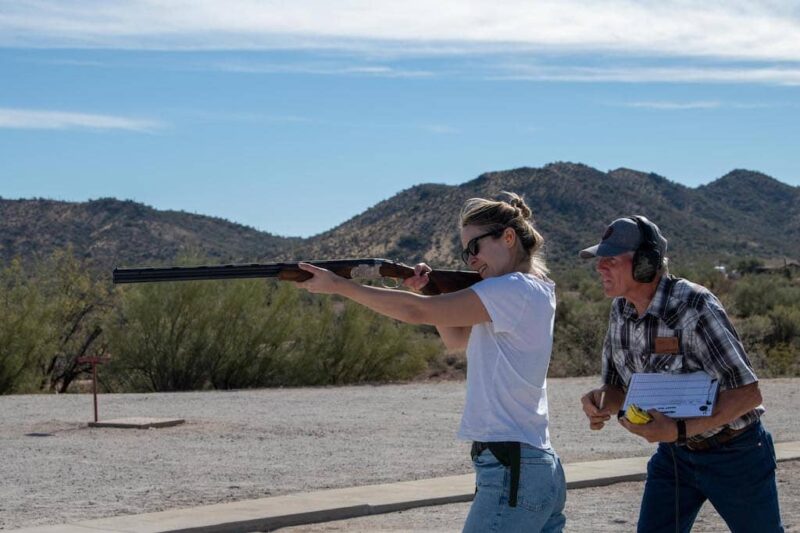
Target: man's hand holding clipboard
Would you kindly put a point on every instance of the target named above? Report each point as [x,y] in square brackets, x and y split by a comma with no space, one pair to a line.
[665,397]
[660,429]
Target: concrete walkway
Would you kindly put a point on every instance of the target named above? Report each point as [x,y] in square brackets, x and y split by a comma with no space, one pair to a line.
[322,506]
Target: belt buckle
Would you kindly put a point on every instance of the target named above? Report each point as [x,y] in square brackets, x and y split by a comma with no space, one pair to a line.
[694,446]
[699,446]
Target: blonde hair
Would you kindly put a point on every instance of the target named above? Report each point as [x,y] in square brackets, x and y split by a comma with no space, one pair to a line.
[509,212]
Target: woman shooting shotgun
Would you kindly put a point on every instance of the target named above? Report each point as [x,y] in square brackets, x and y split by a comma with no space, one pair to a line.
[505,323]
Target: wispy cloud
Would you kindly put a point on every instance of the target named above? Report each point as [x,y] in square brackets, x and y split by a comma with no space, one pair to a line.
[673,105]
[330,68]
[715,41]
[742,29]
[679,106]
[647,74]
[60,120]
[69,63]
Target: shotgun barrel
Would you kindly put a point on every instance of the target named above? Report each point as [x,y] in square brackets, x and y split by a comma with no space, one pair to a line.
[441,281]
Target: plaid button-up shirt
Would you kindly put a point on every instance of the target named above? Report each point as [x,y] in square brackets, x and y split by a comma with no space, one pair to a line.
[706,340]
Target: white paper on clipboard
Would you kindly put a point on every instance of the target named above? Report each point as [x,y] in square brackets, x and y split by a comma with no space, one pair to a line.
[675,395]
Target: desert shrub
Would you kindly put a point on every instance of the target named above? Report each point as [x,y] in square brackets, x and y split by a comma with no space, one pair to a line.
[24,331]
[755,333]
[748,265]
[345,343]
[759,294]
[785,324]
[256,334]
[161,336]
[580,281]
[781,360]
[187,336]
[580,328]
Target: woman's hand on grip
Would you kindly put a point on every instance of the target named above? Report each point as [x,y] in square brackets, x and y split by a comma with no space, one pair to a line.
[420,277]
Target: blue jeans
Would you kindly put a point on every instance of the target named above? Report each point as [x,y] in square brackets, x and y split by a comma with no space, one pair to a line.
[540,498]
[738,478]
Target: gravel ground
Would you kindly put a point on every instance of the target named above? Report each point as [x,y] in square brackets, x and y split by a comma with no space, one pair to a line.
[251,444]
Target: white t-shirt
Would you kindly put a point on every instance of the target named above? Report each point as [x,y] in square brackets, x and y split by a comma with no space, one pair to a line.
[507,362]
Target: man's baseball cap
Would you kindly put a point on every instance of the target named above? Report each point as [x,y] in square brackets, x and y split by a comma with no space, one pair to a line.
[622,236]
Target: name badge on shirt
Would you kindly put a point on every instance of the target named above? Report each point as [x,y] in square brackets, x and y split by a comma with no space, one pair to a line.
[667,345]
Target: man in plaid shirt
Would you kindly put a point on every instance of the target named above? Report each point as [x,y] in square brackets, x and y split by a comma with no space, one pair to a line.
[659,323]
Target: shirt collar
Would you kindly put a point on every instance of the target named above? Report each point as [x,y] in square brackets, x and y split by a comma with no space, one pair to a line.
[657,306]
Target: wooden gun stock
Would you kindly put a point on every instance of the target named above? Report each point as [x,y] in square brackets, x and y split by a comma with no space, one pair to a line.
[439,281]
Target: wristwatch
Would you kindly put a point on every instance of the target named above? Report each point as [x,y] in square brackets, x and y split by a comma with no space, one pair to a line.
[681,440]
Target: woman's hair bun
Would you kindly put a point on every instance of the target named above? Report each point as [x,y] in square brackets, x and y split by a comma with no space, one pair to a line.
[508,210]
[517,202]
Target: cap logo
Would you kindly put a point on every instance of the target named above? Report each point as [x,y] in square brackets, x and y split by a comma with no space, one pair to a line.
[608,233]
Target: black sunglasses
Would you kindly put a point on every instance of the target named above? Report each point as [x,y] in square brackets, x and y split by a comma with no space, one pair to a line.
[472,248]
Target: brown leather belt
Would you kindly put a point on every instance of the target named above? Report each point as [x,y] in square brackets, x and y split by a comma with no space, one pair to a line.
[717,440]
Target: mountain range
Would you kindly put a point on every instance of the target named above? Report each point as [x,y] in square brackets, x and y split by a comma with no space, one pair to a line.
[742,214]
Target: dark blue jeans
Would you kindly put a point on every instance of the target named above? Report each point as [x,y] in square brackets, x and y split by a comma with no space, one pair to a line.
[738,478]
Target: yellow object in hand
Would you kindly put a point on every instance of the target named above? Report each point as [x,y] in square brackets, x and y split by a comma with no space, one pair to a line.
[636,415]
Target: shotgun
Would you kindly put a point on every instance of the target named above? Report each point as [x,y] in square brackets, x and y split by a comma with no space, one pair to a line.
[441,281]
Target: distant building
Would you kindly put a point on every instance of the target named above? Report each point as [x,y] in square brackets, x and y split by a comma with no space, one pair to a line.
[777,266]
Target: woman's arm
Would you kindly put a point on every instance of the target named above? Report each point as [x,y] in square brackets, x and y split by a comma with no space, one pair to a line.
[457,309]
[454,338]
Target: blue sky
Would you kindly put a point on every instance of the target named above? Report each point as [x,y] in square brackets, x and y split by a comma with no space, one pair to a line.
[292,117]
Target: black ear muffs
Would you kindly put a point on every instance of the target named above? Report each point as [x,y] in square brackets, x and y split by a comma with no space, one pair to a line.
[647,257]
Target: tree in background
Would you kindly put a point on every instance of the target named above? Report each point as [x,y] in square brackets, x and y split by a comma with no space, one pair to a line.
[52,315]
[257,333]
[161,334]
[76,306]
[25,330]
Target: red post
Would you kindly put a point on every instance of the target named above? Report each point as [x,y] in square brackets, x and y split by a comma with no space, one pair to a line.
[94,388]
[94,361]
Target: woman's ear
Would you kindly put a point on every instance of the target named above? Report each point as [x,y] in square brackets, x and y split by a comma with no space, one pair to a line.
[509,237]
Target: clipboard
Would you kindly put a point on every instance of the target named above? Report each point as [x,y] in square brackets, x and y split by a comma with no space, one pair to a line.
[676,395]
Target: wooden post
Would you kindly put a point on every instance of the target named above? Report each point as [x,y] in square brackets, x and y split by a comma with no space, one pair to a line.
[94,361]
